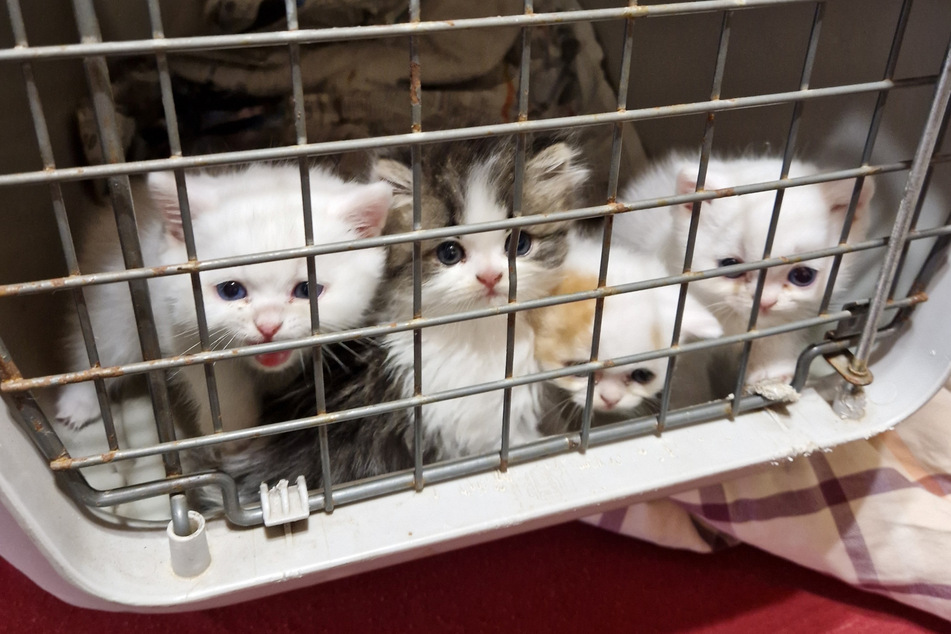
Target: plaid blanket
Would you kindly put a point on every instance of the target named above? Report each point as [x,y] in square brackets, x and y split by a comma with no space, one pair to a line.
[875,513]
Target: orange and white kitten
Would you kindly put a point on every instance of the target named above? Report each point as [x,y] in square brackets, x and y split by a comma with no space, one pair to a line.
[631,323]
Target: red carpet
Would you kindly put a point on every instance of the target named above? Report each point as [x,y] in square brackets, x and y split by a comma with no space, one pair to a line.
[567,578]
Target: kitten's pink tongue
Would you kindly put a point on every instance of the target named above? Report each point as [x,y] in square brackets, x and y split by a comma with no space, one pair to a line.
[273,359]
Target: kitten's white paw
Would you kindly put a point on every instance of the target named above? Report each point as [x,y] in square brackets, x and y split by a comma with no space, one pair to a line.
[77,405]
[772,381]
[773,390]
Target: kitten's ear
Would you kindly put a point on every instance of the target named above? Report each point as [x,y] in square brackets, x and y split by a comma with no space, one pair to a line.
[556,172]
[164,195]
[698,322]
[687,184]
[365,208]
[397,174]
[839,194]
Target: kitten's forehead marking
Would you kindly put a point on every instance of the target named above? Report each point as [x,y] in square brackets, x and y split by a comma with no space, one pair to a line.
[481,203]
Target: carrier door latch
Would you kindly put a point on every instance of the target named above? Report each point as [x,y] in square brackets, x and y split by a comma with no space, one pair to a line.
[842,362]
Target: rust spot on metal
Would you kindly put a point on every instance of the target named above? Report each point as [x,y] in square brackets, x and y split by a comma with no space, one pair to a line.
[414,83]
[9,371]
[919,297]
[62,463]
[843,362]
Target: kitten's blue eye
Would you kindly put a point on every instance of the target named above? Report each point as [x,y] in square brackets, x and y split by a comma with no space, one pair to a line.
[731,262]
[524,243]
[641,375]
[231,291]
[802,276]
[450,252]
[302,290]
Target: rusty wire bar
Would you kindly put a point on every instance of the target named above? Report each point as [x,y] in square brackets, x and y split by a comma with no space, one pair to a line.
[97,75]
[788,153]
[62,223]
[354,33]
[458,134]
[175,147]
[300,131]
[41,286]
[22,384]
[624,77]
[874,125]
[706,149]
[518,184]
[416,128]
[906,209]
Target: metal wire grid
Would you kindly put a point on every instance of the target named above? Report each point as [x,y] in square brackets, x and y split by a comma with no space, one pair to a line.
[93,53]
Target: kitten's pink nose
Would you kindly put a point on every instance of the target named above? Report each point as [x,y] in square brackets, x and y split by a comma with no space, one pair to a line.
[489,280]
[268,329]
[609,401]
[765,303]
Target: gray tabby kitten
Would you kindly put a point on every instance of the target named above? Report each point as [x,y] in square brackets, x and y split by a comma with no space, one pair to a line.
[463,183]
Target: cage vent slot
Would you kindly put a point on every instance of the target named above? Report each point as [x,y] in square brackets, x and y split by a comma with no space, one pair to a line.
[285,503]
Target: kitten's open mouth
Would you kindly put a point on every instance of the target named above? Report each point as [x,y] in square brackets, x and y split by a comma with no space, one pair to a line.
[274,359]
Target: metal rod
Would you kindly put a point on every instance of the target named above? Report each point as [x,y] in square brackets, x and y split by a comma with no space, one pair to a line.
[97,75]
[877,116]
[627,53]
[300,131]
[175,147]
[788,153]
[457,134]
[481,388]
[902,225]
[416,129]
[62,224]
[340,34]
[28,288]
[517,195]
[16,385]
[706,151]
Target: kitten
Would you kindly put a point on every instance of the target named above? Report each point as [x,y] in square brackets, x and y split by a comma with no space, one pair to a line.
[235,212]
[462,184]
[733,230]
[473,183]
[631,323]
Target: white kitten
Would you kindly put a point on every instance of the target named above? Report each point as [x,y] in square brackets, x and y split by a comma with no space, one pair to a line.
[234,213]
[631,323]
[733,230]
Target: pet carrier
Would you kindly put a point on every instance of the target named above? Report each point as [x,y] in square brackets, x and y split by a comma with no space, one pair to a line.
[96,93]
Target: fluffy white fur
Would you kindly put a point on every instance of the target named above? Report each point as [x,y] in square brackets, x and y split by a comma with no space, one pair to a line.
[734,229]
[631,323]
[234,213]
